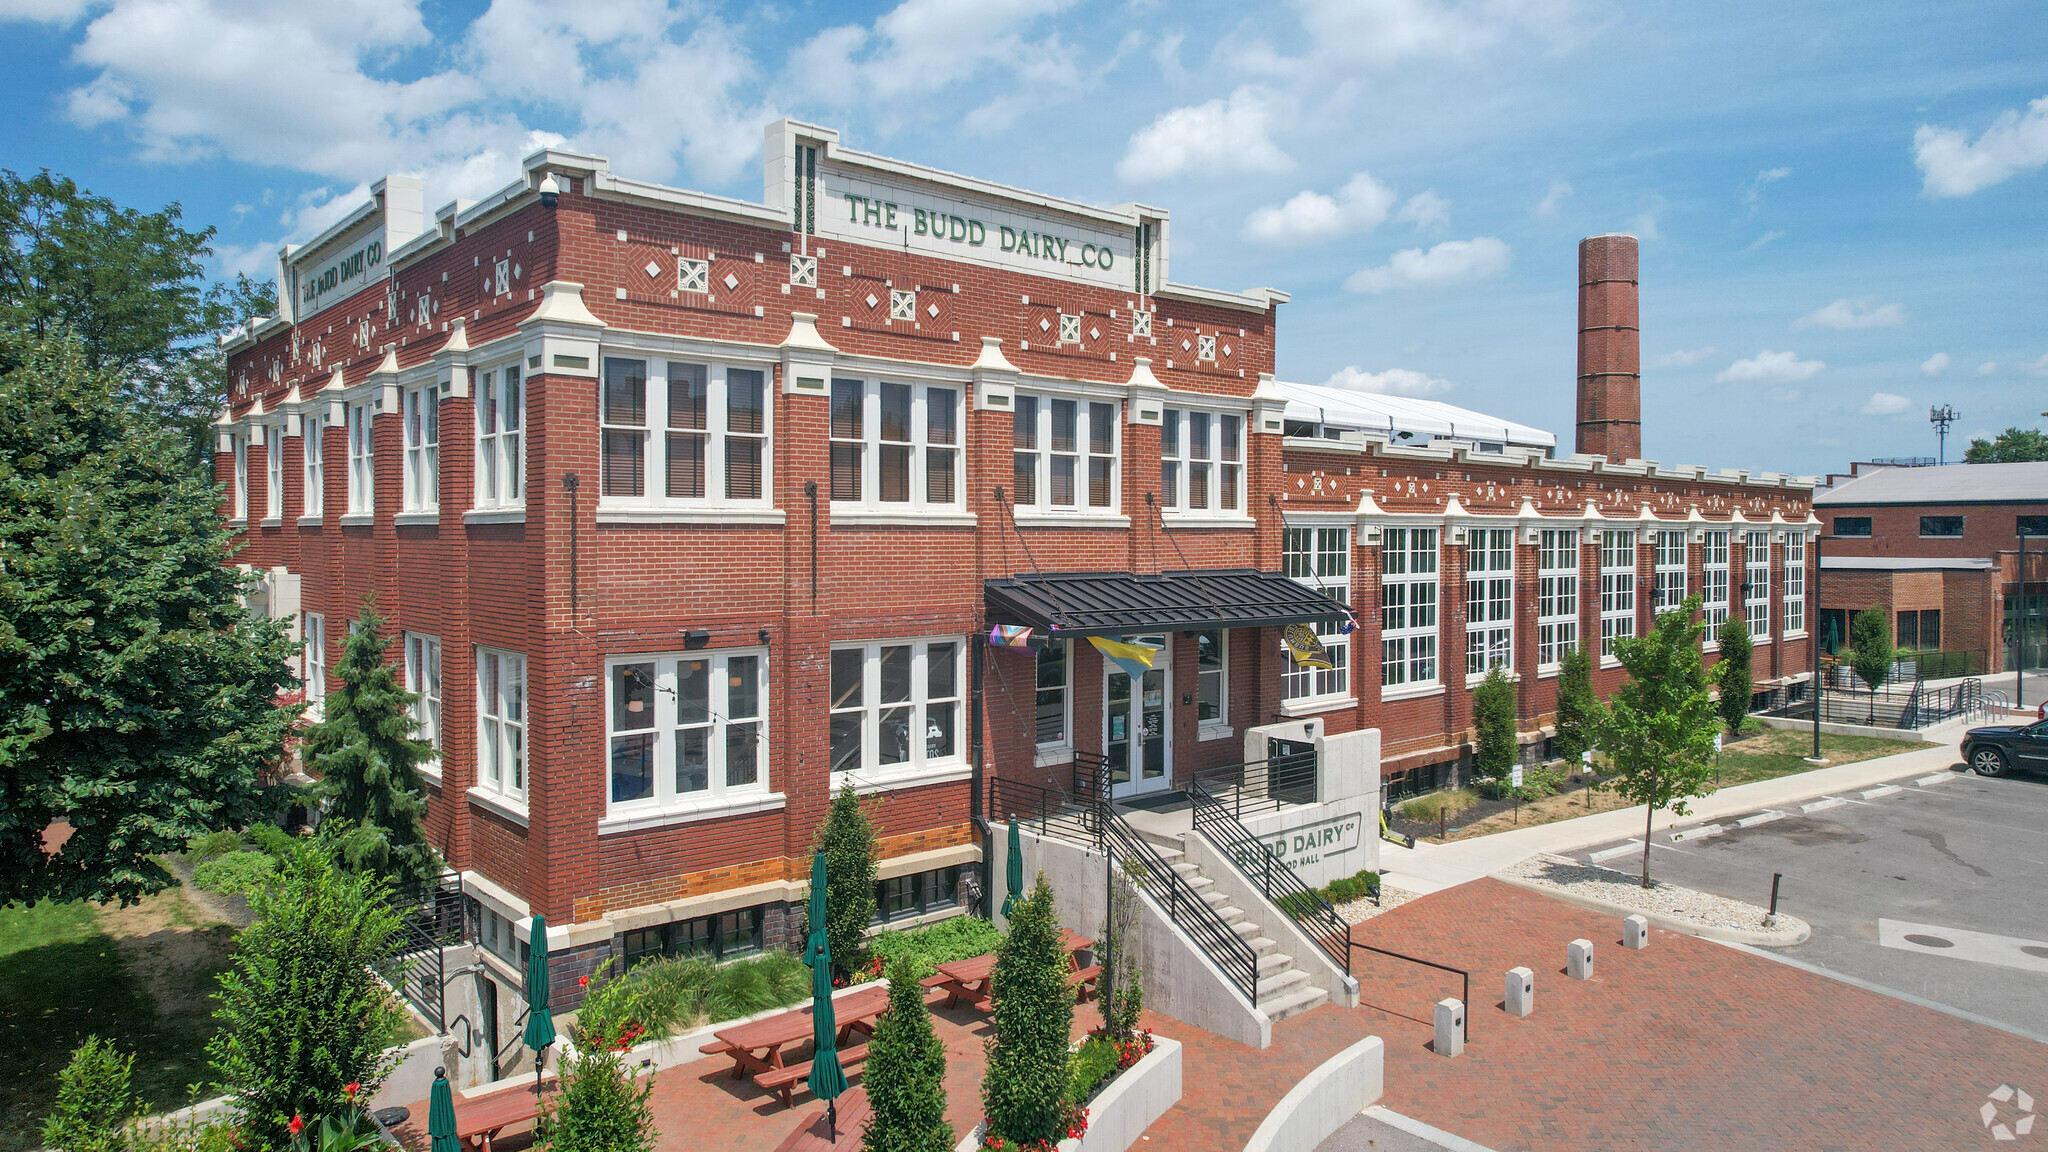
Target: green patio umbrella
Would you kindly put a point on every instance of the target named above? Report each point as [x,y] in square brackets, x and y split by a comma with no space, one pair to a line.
[441,1115]
[827,1079]
[540,1022]
[1834,643]
[1013,870]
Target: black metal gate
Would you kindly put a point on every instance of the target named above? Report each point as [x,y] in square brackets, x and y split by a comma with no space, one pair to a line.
[427,926]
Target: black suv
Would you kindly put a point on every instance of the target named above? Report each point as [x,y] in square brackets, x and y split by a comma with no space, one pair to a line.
[1996,751]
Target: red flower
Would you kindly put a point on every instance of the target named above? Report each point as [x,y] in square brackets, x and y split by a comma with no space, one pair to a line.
[297,1125]
[583,981]
[351,1089]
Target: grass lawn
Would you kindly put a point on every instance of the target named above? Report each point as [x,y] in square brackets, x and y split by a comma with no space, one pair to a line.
[139,976]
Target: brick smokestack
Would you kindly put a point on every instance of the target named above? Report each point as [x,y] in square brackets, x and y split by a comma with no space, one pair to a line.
[1610,349]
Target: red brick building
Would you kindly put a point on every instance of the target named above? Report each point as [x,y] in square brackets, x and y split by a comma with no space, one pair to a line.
[687,510]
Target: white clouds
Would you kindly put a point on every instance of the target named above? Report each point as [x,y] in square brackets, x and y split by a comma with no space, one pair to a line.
[1764,239]
[2039,367]
[1426,209]
[1221,137]
[1846,314]
[1773,367]
[1360,206]
[922,47]
[1392,382]
[1950,165]
[1935,365]
[1987,368]
[1753,192]
[1644,223]
[46,11]
[1451,262]
[1380,33]
[1683,357]
[1886,404]
[1553,199]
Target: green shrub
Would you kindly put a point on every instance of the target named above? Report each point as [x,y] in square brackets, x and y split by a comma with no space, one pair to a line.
[601,1106]
[1094,1062]
[906,1070]
[1024,1087]
[272,839]
[94,1101]
[749,986]
[1732,674]
[236,874]
[1424,809]
[1493,718]
[1578,709]
[658,997]
[1541,780]
[926,948]
[1345,889]
[847,838]
[213,844]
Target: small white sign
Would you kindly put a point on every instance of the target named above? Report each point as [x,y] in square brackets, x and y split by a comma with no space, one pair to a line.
[1717,743]
[1586,757]
[1516,777]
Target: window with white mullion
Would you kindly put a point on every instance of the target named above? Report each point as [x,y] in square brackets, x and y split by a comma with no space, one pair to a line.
[501,722]
[1714,581]
[314,661]
[312,431]
[1557,594]
[273,475]
[695,433]
[1212,677]
[1617,587]
[362,473]
[686,728]
[1321,559]
[1201,461]
[423,680]
[1670,563]
[240,441]
[500,459]
[895,707]
[1408,600]
[1489,600]
[1054,670]
[1795,582]
[895,446]
[1065,454]
[1756,584]
[421,410]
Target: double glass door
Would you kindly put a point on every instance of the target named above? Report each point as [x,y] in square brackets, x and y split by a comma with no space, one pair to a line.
[1138,738]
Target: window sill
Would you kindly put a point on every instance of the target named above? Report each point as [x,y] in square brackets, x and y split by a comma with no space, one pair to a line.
[430,519]
[1547,671]
[430,775]
[1799,635]
[1214,732]
[1209,520]
[868,783]
[1072,520]
[493,802]
[358,519]
[1607,662]
[271,522]
[494,516]
[1050,755]
[1711,646]
[1311,705]
[238,521]
[690,811]
[882,518]
[312,521]
[1415,692]
[1473,680]
[1758,641]
[772,516]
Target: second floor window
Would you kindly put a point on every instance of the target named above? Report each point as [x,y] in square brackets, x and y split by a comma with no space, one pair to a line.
[423,680]
[315,429]
[1617,587]
[1557,594]
[500,461]
[241,448]
[1064,454]
[422,449]
[1714,580]
[1408,586]
[501,722]
[690,727]
[362,476]
[1941,525]
[1321,559]
[697,433]
[1670,564]
[895,445]
[1756,584]
[1795,582]
[1201,465]
[1489,600]
[273,474]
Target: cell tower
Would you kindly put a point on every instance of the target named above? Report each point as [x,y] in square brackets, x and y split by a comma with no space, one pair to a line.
[1941,418]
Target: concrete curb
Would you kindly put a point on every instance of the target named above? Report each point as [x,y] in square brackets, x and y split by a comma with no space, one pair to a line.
[1424,1132]
[1792,929]
[1325,1100]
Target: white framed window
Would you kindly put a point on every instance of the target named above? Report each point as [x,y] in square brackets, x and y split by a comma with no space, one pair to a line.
[1321,559]
[895,445]
[1617,587]
[696,435]
[1201,461]
[1212,678]
[693,275]
[240,441]
[313,669]
[902,304]
[1795,582]
[273,475]
[501,722]
[803,271]
[1054,702]
[686,728]
[423,680]
[362,475]
[1489,600]
[1714,578]
[1141,323]
[501,280]
[1408,599]
[1670,562]
[314,429]
[1557,594]
[422,411]
[1065,454]
[1205,348]
[895,707]
[500,455]
[1070,328]
[1756,584]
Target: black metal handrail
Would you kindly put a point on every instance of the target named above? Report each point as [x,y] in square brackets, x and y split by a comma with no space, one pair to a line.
[1090,777]
[1464,997]
[1050,810]
[426,927]
[1194,916]
[1279,884]
[1263,785]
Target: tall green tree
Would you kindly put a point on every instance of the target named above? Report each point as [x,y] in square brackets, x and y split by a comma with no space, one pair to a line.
[1493,719]
[2013,446]
[1658,729]
[1734,674]
[364,749]
[302,1013]
[131,286]
[1578,710]
[1871,652]
[847,838]
[1024,1086]
[906,1073]
[137,694]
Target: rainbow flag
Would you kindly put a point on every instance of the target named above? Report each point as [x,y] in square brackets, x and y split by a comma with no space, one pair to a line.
[1009,636]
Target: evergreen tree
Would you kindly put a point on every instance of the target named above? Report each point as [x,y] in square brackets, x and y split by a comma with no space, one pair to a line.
[1659,731]
[137,694]
[368,760]
[94,1101]
[601,1107]
[1733,674]
[906,1070]
[847,838]
[302,1013]
[1024,1086]
[1578,710]
[1871,652]
[1493,718]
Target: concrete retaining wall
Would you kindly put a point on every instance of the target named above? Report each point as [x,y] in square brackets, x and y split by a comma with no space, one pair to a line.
[1325,1100]
[1793,723]
[1216,864]
[1138,1097]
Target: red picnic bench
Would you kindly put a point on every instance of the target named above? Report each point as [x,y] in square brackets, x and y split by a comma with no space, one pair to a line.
[815,1134]
[973,979]
[479,1120]
[757,1047]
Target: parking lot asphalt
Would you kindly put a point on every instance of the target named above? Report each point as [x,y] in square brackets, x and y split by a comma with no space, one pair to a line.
[1879,877]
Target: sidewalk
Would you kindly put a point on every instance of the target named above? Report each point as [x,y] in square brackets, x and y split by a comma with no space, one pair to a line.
[1429,867]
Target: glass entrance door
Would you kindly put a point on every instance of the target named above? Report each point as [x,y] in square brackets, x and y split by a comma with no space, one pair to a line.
[1138,737]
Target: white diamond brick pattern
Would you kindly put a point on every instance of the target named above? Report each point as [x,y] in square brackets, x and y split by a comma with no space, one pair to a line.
[731,281]
[872,301]
[653,270]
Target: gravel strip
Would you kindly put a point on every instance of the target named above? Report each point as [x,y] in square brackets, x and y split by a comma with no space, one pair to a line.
[1362,909]
[1693,907]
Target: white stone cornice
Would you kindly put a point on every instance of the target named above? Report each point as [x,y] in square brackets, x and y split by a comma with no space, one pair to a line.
[451,363]
[807,357]
[1367,506]
[1269,407]
[803,334]
[561,302]
[992,358]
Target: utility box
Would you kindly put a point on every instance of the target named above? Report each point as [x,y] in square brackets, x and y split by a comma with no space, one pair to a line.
[1521,992]
[1578,960]
[1635,933]
[1450,1027]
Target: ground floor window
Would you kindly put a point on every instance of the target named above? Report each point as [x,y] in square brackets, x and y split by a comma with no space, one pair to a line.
[1412,781]
[902,897]
[498,936]
[722,937]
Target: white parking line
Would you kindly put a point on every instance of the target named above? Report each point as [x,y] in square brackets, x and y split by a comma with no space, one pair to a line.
[1611,853]
[1880,790]
[1822,804]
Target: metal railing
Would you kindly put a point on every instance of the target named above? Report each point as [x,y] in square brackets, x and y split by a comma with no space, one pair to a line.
[1932,706]
[427,927]
[1278,883]
[1260,786]
[1048,811]
[1464,997]
[1189,912]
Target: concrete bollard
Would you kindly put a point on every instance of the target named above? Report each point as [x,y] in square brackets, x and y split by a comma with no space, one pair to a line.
[1578,960]
[1450,1027]
[1521,998]
[1635,933]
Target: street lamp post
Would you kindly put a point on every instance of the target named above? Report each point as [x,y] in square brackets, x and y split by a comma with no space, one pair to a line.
[2019,680]
[1813,635]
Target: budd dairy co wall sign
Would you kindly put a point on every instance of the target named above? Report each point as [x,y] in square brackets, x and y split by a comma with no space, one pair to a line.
[343,269]
[1323,847]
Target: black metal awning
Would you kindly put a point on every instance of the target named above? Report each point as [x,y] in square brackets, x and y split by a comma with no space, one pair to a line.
[1118,603]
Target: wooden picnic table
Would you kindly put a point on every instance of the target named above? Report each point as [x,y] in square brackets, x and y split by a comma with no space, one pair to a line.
[815,1135]
[757,1045]
[479,1121]
[973,979]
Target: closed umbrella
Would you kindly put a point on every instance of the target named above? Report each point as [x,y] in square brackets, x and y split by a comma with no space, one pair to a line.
[1013,870]
[540,1022]
[827,1079]
[441,1115]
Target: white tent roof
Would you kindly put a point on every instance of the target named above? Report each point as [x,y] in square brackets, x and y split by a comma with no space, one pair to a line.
[1374,411]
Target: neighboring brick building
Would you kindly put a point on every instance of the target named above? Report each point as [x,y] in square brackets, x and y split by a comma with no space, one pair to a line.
[687,510]
[1938,550]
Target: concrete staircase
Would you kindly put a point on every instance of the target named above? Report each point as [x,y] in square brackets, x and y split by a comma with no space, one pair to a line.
[1284,989]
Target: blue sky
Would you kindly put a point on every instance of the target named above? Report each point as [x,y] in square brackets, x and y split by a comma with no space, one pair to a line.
[1841,205]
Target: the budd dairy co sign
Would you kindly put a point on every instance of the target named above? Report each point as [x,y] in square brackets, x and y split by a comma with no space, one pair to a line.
[344,268]
[1322,848]
[960,226]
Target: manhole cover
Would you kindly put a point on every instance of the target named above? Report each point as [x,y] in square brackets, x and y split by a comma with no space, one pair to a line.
[1926,941]
[2035,950]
